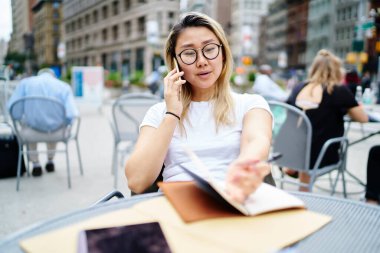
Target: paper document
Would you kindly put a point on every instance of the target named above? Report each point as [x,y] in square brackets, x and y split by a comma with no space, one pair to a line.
[266,198]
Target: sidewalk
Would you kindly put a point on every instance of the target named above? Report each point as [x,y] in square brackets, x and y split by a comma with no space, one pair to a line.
[48,196]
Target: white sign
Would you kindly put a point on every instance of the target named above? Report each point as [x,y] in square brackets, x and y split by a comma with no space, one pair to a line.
[247,36]
[87,84]
[152,31]
[61,50]
[282,60]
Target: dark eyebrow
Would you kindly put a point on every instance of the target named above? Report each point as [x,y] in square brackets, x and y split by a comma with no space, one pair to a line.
[203,43]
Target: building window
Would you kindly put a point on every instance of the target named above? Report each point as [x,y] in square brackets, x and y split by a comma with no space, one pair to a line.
[140,59]
[56,28]
[86,39]
[115,8]
[56,5]
[170,14]
[127,4]
[141,1]
[87,19]
[79,43]
[80,23]
[95,16]
[105,12]
[104,34]
[95,38]
[127,28]
[55,14]
[115,32]
[141,26]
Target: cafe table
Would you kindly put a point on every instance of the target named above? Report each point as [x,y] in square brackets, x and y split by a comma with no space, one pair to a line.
[355,226]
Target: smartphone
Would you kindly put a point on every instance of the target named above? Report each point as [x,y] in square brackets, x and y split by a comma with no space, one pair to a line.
[179,78]
[176,66]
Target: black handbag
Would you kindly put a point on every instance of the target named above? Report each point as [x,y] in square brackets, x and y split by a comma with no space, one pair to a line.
[9,150]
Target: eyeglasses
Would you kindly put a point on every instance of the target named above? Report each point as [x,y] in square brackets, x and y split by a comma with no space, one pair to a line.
[209,51]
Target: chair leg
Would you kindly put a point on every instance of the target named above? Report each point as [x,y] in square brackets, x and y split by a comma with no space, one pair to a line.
[26,157]
[311,183]
[114,159]
[116,169]
[344,184]
[20,153]
[282,178]
[68,167]
[333,186]
[79,157]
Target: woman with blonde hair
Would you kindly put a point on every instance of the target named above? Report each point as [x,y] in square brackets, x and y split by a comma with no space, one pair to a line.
[229,132]
[325,101]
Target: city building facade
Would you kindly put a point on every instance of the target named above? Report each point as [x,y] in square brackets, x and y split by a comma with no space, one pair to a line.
[220,10]
[296,33]
[47,31]
[320,30]
[3,50]
[22,21]
[346,20]
[274,45]
[120,35]
[373,46]
[207,7]
[245,27]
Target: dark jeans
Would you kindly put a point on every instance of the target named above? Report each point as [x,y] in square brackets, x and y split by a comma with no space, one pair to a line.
[373,174]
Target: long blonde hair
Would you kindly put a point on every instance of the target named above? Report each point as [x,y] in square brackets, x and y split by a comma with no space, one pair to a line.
[326,70]
[222,99]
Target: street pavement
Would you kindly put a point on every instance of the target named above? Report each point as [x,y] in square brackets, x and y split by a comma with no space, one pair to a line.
[46,197]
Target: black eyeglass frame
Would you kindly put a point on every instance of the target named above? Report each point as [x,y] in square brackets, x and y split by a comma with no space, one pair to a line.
[196,53]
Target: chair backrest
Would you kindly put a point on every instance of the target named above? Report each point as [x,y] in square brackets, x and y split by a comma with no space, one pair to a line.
[128,111]
[42,114]
[5,94]
[292,136]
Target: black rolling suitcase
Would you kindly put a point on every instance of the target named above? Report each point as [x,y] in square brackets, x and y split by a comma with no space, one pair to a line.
[9,156]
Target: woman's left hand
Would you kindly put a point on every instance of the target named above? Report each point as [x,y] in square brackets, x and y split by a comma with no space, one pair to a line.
[244,177]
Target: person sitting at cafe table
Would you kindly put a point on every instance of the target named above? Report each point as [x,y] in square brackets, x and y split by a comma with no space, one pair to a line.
[372,193]
[230,132]
[325,101]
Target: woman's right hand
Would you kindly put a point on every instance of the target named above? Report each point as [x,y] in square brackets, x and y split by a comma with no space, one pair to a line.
[172,91]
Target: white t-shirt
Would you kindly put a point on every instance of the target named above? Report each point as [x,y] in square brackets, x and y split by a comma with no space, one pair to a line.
[216,149]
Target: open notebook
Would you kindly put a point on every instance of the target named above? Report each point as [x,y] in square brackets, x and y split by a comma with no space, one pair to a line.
[265,199]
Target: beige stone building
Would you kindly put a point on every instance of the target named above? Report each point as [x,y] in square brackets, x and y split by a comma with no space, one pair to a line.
[121,35]
[220,10]
[47,31]
[22,20]
[3,50]
[245,27]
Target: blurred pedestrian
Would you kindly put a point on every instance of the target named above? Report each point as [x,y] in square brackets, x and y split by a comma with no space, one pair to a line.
[325,101]
[366,80]
[153,81]
[266,87]
[352,80]
[44,84]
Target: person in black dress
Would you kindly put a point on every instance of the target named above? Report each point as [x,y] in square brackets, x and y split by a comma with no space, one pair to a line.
[372,193]
[325,101]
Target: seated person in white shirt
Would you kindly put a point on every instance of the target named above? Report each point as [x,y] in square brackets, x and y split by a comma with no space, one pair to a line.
[266,87]
[229,132]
